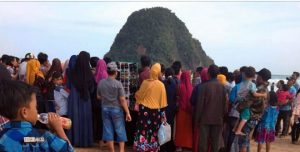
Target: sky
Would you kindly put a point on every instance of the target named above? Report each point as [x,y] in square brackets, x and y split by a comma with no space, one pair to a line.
[260,34]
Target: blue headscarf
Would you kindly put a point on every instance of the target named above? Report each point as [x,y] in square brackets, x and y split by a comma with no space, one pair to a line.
[71,66]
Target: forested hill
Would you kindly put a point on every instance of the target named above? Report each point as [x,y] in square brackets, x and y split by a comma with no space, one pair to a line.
[160,34]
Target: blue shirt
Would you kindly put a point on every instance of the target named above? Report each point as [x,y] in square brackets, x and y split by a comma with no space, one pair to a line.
[293,93]
[20,136]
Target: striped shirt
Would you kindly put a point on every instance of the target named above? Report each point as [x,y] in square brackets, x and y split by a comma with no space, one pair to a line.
[3,121]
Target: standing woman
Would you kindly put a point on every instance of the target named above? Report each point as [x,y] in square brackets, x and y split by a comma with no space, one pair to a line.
[100,74]
[55,67]
[184,131]
[152,100]
[296,127]
[79,102]
[33,71]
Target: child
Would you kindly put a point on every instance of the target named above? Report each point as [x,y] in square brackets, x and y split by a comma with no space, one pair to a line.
[283,94]
[60,94]
[247,90]
[18,103]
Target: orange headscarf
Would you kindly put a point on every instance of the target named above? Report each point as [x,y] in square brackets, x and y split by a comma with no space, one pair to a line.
[222,79]
[32,71]
[152,93]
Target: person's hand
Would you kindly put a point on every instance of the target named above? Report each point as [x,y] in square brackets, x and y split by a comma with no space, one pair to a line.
[128,117]
[265,95]
[54,122]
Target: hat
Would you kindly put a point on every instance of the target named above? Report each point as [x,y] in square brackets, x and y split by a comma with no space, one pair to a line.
[29,56]
[265,74]
[290,78]
[112,66]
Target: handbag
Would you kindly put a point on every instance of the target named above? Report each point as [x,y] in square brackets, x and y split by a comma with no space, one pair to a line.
[164,133]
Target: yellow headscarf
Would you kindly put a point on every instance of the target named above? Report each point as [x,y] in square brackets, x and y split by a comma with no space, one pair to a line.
[222,79]
[33,70]
[152,93]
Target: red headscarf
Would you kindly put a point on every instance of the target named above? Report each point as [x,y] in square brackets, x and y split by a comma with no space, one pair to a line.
[101,71]
[185,91]
[204,75]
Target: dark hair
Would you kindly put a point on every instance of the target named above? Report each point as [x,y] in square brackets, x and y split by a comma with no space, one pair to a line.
[273,101]
[82,76]
[55,67]
[169,72]
[4,58]
[243,68]
[285,87]
[93,61]
[230,77]
[42,57]
[199,69]
[176,67]
[213,71]
[56,75]
[9,59]
[14,95]
[224,70]
[145,61]
[109,72]
[249,72]
[281,82]
[107,60]
[296,73]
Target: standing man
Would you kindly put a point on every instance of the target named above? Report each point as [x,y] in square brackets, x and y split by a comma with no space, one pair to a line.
[112,95]
[257,109]
[211,107]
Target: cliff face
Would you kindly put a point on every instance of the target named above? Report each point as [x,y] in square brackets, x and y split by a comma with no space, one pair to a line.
[158,33]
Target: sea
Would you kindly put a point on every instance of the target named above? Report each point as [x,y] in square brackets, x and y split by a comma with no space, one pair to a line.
[276,78]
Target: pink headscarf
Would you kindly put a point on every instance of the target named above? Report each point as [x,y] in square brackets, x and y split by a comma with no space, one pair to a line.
[204,75]
[185,93]
[101,72]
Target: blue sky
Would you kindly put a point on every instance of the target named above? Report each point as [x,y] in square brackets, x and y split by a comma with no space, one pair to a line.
[261,34]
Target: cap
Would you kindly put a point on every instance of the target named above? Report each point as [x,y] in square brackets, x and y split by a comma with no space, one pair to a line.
[290,78]
[112,66]
[265,74]
[29,56]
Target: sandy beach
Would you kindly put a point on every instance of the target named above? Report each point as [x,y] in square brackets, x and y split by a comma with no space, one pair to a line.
[280,145]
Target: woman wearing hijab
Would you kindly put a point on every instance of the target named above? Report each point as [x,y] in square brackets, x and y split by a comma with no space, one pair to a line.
[79,101]
[184,131]
[152,100]
[33,71]
[101,71]
[100,74]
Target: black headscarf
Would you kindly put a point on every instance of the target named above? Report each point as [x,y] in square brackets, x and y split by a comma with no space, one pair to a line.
[82,76]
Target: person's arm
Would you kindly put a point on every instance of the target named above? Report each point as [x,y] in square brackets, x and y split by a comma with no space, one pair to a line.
[255,94]
[124,105]
[56,125]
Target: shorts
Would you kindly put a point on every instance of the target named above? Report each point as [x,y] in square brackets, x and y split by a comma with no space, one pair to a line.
[113,122]
[245,114]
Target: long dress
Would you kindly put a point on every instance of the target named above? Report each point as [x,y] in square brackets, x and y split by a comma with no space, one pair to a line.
[80,112]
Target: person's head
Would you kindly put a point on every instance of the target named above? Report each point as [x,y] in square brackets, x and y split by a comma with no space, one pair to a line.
[224,71]
[263,76]
[177,67]
[12,61]
[18,101]
[55,67]
[291,81]
[57,78]
[213,71]
[273,100]
[94,61]
[155,71]
[43,58]
[4,58]
[101,70]
[169,72]
[285,87]
[279,84]
[163,69]
[112,69]
[295,75]
[28,57]
[222,79]
[145,61]
[198,71]
[230,77]
[249,73]
[107,60]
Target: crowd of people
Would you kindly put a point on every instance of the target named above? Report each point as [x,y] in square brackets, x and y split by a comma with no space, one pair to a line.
[209,109]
